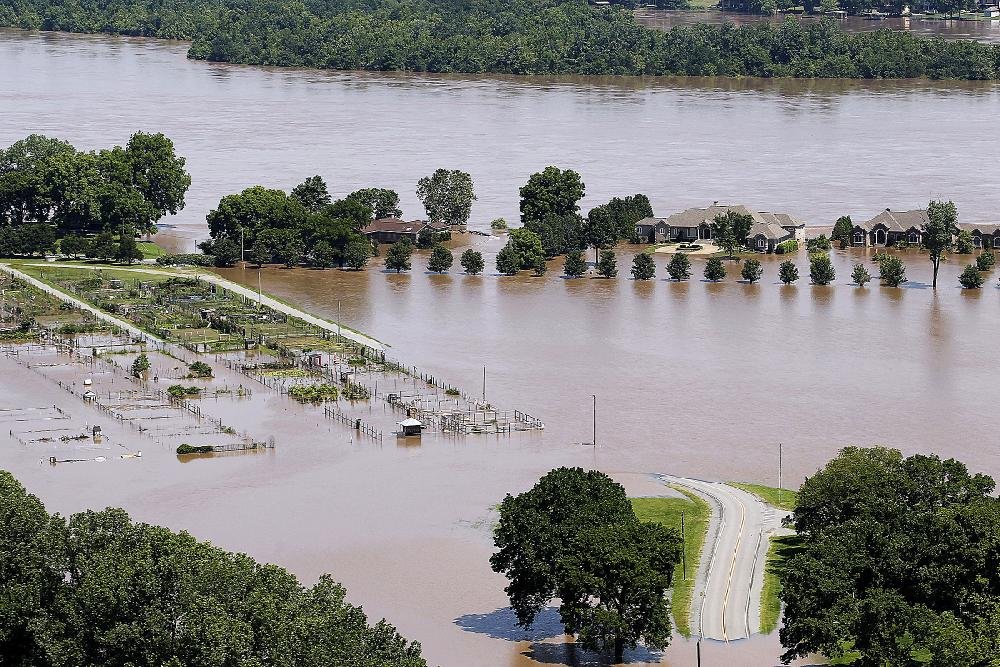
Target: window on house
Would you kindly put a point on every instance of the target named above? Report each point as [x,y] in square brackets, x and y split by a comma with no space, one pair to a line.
[996,241]
[858,238]
[913,237]
[761,243]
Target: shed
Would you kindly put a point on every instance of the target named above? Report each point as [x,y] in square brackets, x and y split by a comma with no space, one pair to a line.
[410,427]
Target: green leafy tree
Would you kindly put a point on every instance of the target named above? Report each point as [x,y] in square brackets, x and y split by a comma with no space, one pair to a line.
[550,192]
[290,249]
[560,234]
[526,245]
[225,252]
[679,267]
[600,231]
[103,247]
[941,227]
[574,266]
[963,244]
[140,365]
[128,251]
[730,231]
[643,267]
[383,203]
[425,238]
[895,563]
[843,230]
[358,252]
[819,244]
[441,259]
[986,260]
[860,275]
[540,267]
[323,255]
[788,273]
[498,224]
[892,271]
[971,278]
[614,586]
[509,260]
[312,193]
[607,265]
[472,262]
[752,271]
[447,196]
[260,252]
[540,527]
[398,257]
[714,270]
[73,245]
[821,270]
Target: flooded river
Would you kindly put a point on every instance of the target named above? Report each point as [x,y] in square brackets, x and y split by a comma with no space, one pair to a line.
[693,379]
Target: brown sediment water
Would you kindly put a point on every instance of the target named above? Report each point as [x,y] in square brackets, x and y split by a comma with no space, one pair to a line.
[691,378]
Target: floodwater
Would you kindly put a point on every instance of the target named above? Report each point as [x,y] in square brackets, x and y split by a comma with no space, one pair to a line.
[979,30]
[691,378]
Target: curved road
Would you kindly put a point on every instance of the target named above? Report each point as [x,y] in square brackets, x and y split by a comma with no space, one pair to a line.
[730,578]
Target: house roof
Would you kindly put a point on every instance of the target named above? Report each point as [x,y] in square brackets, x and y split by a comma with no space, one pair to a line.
[694,217]
[769,230]
[650,222]
[410,422]
[896,221]
[985,229]
[394,225]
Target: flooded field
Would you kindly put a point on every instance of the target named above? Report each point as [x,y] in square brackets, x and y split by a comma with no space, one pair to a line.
[691,378]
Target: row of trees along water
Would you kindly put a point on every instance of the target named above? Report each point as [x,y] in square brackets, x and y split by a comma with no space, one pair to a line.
[97,588]
[518,37]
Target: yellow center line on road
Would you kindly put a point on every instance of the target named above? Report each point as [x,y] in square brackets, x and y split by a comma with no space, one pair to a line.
[732,568]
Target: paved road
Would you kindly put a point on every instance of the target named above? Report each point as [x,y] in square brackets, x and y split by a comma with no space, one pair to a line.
[726,603]
[226,284]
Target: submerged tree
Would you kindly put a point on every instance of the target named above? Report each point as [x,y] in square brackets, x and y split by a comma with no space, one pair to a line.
[509,260]
[986,260]
[941,227]
[472,262]
[714,270]
[679,267]
[752,271]
[447,196]
[963,243]
[539,268]
[860,275]
[441,259]
[788,273]
[398,257]
[821,270]
[140,365]
[971,278]
[574,266]
[607,265]
[643,266]
[843,229]
[574,536]
[892,271]
[730,231]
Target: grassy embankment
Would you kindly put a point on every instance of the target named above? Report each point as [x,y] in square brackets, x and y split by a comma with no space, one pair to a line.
[667,511]
[779,551]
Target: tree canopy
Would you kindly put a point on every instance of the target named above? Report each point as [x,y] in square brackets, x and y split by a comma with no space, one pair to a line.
[100,589]
[898,563]
[447,196]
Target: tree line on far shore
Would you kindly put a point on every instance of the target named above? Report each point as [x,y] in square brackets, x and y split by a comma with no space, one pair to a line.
[517,37]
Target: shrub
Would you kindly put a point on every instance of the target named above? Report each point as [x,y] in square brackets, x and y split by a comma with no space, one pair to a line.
[714,270]
[574,266]
[498,224]
[971,278]
[185,448]
[472,262]
[821,270]
[819,244]
[752,271]
[787,247]
[892,271]
[986,260]
[356,392]
[788,273]
[963,244]
[189,259]
[451,391]
[607,266]
[314,393]
[860,276]
[679,267]
[539,267]
[140,365]
[643,267]
[199,369]
[180,391]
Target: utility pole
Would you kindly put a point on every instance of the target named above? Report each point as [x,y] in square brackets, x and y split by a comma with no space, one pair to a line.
[699,653]
[260,304]
[779,473]
[243,259]
[338,319]
[684,564]
[484,384]
[595,420]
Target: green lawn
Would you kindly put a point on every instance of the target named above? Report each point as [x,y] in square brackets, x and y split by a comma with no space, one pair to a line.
[779,551]
[667,511]
[150,250]
[781,498]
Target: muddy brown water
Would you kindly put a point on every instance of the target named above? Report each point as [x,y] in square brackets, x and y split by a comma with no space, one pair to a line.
[693,378]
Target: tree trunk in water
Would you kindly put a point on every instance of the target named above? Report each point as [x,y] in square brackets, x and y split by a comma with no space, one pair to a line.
[619,651]
[934,263]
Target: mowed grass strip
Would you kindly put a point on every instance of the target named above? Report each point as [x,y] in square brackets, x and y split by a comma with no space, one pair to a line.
[780,550]
[667,511]
[785,499]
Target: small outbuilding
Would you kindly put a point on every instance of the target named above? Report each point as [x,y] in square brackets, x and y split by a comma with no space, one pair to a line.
[409,427]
